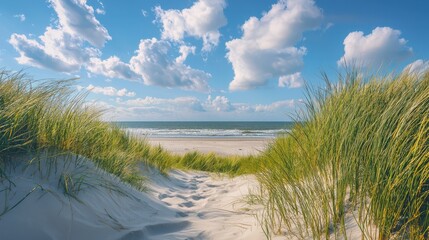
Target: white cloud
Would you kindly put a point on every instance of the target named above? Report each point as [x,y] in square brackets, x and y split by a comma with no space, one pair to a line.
[383,45]
[62,48]
[77,19]
[216,104]
[153,64]
[266,50]
[219,104]
[144,13]
[108,91]
[100,11]
[21,17]
[166,104]
[57,51]
[192,108]
[112,67]
[291,81]
[201,20]
[418,67]
[185,51]
[275,106]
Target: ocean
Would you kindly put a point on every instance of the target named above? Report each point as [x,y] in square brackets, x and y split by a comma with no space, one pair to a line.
[207,129]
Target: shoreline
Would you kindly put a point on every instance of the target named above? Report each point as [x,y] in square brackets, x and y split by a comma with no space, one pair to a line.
[220,145]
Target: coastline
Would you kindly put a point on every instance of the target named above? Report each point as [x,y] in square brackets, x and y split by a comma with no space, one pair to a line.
[220,145]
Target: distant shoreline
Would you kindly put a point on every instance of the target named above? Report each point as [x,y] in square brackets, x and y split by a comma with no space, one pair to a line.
[219,145]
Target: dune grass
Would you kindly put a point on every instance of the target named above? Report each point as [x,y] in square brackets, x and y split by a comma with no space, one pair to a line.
[48,115]
[360,151]
[37,115]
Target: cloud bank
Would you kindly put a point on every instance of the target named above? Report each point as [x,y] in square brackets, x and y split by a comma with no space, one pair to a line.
[267,48]
[61,48]
[153,64]
[108,91]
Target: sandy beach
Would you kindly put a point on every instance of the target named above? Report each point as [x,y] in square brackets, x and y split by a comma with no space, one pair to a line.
[222,146]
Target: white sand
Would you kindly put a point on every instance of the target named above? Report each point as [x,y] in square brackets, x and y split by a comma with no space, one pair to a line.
[185,205]
[222,146]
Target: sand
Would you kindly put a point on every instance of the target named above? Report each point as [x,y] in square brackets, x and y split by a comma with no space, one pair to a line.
[36,203]
[222,146]
[184,205]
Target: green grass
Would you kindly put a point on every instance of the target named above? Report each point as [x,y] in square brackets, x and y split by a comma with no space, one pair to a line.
[37,115]
[362,147]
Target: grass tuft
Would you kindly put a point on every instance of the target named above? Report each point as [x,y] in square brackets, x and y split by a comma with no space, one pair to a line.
[37,115]
[363,148]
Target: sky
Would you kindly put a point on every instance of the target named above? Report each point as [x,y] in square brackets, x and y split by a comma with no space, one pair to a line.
[208,60]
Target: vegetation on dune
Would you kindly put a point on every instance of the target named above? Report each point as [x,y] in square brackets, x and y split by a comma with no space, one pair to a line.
[37,115]
[47,115]
[361,151]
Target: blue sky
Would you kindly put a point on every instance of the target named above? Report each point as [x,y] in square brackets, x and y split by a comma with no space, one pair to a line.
[207,59]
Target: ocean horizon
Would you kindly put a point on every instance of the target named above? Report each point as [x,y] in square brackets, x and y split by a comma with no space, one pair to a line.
[213,129]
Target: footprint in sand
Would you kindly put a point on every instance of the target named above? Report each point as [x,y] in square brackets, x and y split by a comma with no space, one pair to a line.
[212,185]
[162,196]
[181,214]
[197,197]
[188,204]
[164,228]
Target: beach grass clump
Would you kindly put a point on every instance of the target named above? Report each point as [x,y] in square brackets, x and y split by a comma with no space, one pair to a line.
[361,153]
[48,115]
[211,162]
[38,115]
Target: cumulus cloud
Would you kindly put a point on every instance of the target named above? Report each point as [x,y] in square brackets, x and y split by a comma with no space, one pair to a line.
[57,50]
[167,104]
[112,67]
[191,108]
[153,63]
[202,20]
[276,105]
[211,104]
[383,45]
[418,67]
[77,19]
[61,48]
[266,50]
[219,104]
[21,17]
[185,51]
[108,91]
[291,81]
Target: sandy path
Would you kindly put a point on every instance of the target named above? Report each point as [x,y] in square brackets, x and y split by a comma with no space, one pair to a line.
[207,207]
[184,205]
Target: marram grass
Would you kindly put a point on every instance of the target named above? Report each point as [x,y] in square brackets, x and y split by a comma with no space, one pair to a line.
[361,151]
[37,115]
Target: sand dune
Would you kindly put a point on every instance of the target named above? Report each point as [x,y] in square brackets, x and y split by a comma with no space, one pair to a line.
[184,205]
[67,197]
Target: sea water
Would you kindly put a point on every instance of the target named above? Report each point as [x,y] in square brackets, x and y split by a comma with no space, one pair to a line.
[207,129]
